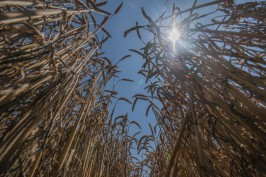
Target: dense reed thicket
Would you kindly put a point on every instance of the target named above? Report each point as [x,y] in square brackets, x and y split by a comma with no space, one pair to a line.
[53,103]
[208,94]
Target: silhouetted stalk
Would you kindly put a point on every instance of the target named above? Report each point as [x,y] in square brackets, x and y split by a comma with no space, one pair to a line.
[220,54]
[54,106]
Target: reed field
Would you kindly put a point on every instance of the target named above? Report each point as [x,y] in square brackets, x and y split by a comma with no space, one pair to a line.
[205,73]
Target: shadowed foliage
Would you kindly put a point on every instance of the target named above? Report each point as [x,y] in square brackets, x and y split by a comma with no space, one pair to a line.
[208,94]
[53,103]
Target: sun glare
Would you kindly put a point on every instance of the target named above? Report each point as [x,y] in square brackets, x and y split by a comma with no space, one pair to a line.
[173,36]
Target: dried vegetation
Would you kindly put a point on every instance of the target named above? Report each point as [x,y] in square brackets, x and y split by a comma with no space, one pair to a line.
[53,103]
[208,96]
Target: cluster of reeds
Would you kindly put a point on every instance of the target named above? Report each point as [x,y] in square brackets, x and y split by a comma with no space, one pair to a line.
[53,103]
[208,95]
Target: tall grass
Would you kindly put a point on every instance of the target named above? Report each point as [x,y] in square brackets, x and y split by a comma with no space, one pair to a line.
[211,89]
[53,103]
[208,95]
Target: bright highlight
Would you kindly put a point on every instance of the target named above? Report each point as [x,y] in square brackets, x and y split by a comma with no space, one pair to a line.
[173,36]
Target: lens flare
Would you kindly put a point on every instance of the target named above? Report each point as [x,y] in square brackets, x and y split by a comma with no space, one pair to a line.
[173,36]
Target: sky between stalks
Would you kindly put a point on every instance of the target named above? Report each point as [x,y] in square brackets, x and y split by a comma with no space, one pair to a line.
[118,46]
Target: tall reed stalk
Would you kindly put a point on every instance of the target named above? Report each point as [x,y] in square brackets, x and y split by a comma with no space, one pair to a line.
[208,95]
[53,103]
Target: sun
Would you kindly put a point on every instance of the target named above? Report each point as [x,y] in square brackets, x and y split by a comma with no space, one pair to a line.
[173,36]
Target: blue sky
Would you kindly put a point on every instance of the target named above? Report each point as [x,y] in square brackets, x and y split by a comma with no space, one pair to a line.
[118,46]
